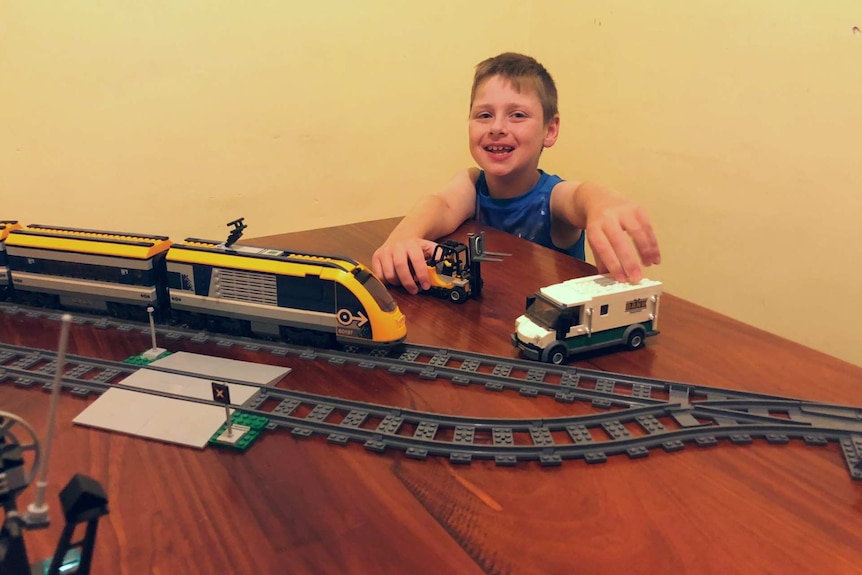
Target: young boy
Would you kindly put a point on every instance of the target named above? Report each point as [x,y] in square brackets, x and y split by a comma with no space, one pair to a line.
[513,117]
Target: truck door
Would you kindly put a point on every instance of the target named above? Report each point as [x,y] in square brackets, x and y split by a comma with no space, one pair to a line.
[568,318]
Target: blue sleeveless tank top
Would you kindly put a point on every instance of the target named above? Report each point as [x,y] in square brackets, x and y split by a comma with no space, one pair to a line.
[528,216]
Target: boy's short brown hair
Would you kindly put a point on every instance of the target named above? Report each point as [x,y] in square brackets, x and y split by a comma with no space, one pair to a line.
[523,72]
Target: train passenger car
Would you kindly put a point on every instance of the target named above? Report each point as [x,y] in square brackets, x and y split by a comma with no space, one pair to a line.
[6,226]
[67,268]
[299,297]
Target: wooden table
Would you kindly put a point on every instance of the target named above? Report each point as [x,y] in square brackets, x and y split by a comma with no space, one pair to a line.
[305,506]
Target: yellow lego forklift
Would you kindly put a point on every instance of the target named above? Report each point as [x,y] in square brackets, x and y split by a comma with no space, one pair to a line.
[454,268]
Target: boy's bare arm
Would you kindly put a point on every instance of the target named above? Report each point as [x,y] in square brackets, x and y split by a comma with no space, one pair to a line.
[619,231]
[401,258]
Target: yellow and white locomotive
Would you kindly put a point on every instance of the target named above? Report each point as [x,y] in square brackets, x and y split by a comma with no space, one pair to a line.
[298,297]
[295,296]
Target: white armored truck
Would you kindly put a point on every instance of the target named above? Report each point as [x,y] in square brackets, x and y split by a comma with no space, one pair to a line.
[587,313]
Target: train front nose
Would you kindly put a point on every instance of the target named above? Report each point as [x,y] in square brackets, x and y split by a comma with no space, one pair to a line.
[394,331]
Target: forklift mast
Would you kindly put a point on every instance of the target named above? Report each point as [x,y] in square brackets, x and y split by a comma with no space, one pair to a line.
[462,263]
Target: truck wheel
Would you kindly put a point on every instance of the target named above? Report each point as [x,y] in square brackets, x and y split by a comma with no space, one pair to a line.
[557,355]
[457,295]
[636,339]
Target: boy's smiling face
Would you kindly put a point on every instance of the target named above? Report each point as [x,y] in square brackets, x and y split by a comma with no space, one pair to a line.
[507,129]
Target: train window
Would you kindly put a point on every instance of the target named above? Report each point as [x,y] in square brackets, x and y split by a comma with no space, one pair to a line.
[179,281]
[202,275]
[175,280]
[346,298]
[84,271]
[377,290]
[604,310]
[307,292]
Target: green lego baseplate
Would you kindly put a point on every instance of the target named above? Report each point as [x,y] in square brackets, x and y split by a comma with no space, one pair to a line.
[255,424]
[141,360]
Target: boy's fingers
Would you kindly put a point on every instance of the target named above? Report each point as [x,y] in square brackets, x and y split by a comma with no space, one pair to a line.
[405,275]
[382,268]
[404,263]
[606,259]
[420,269]
[643,236]
[613,248]
[376,268]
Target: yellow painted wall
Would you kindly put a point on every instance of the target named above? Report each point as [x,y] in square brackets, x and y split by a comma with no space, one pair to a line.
[177,117]
[739,125]
[736,123]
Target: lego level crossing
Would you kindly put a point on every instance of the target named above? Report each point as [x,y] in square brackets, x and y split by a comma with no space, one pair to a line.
[638,414]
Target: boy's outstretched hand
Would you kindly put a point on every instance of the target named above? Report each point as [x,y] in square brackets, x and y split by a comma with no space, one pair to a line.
[403,262]
[622,239]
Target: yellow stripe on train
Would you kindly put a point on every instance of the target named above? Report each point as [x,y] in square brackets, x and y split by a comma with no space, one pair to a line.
[87,242]
[181,254]
[242,250]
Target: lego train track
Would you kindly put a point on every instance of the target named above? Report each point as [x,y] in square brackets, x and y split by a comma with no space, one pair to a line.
[639,413]
[529,378]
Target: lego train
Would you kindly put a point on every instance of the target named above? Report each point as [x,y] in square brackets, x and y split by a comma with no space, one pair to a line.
[297,297]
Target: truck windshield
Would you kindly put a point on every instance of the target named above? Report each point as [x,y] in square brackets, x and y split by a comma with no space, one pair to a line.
[543,313]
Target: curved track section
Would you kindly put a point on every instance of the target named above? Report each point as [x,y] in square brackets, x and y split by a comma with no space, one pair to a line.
[637,414]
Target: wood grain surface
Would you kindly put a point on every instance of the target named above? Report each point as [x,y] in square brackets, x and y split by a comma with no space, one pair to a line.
[300,506]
